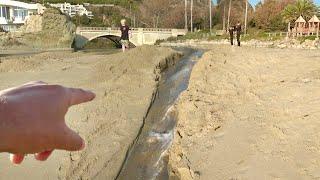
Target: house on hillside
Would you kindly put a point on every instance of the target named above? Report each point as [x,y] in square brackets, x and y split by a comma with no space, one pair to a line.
[73,10]
[13,14]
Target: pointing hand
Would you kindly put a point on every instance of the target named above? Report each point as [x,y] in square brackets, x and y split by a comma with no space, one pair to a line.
[32,120]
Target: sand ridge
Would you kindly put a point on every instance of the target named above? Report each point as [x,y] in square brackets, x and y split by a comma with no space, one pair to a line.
[249,113]
[124,84]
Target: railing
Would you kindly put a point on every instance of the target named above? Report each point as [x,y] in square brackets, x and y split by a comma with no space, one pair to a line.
[157,29]
[96,28]
[117,29]
[305,31]
[274,34]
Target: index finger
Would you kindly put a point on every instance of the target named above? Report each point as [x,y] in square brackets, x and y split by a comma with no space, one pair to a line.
[78,96]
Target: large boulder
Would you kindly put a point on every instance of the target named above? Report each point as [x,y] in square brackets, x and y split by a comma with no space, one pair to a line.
[33,24]
[58,28]
[52,30]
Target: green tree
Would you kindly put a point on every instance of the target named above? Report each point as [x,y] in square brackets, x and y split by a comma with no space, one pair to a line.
[289,15]
[84,20]
[268,14]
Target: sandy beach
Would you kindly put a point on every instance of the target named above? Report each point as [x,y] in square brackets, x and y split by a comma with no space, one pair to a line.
[172,94]
[249,113]
[124,84]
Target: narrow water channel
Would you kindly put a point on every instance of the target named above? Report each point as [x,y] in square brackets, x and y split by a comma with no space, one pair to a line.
[145,160]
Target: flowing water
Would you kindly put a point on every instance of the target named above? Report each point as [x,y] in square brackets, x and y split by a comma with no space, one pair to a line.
[145,160]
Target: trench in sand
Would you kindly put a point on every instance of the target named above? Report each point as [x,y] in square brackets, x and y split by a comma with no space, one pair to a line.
[146,158]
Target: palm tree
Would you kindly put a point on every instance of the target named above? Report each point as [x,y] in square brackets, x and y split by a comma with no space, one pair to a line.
[290,15]
[304,8]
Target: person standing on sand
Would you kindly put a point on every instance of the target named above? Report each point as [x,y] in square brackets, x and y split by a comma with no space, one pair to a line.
[125,30]
[231,30]
[238,30]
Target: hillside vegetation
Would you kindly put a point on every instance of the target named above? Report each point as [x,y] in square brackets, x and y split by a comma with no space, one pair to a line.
[141,13]
[116,2]
[268,15]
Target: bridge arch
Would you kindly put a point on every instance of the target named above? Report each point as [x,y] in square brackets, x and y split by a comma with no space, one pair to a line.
[114,38]
[81,41]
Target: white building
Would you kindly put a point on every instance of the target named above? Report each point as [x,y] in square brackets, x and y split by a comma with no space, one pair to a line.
[14,13]
[73,10]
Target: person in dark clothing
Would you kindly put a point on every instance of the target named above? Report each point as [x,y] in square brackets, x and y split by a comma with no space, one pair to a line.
[125,31]
[238,30]
[231,30]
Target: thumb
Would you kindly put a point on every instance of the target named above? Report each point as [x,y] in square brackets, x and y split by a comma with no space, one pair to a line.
[71,141]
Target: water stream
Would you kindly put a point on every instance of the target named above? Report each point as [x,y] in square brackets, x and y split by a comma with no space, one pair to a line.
[145,160]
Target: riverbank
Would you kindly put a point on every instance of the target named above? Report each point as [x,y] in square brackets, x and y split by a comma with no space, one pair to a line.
[125,84]
[249,113]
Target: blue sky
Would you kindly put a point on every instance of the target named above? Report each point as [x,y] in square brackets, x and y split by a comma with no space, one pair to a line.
[254,2]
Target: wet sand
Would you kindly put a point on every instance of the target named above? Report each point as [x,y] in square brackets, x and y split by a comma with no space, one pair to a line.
[124,84]
[249,113]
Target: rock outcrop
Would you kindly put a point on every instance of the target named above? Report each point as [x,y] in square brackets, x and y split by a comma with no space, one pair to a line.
[33,24]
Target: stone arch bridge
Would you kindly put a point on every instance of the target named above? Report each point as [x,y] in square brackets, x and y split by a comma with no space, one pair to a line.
[140,36]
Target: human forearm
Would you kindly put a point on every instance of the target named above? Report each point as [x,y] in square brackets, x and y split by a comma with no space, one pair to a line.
[4,145]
